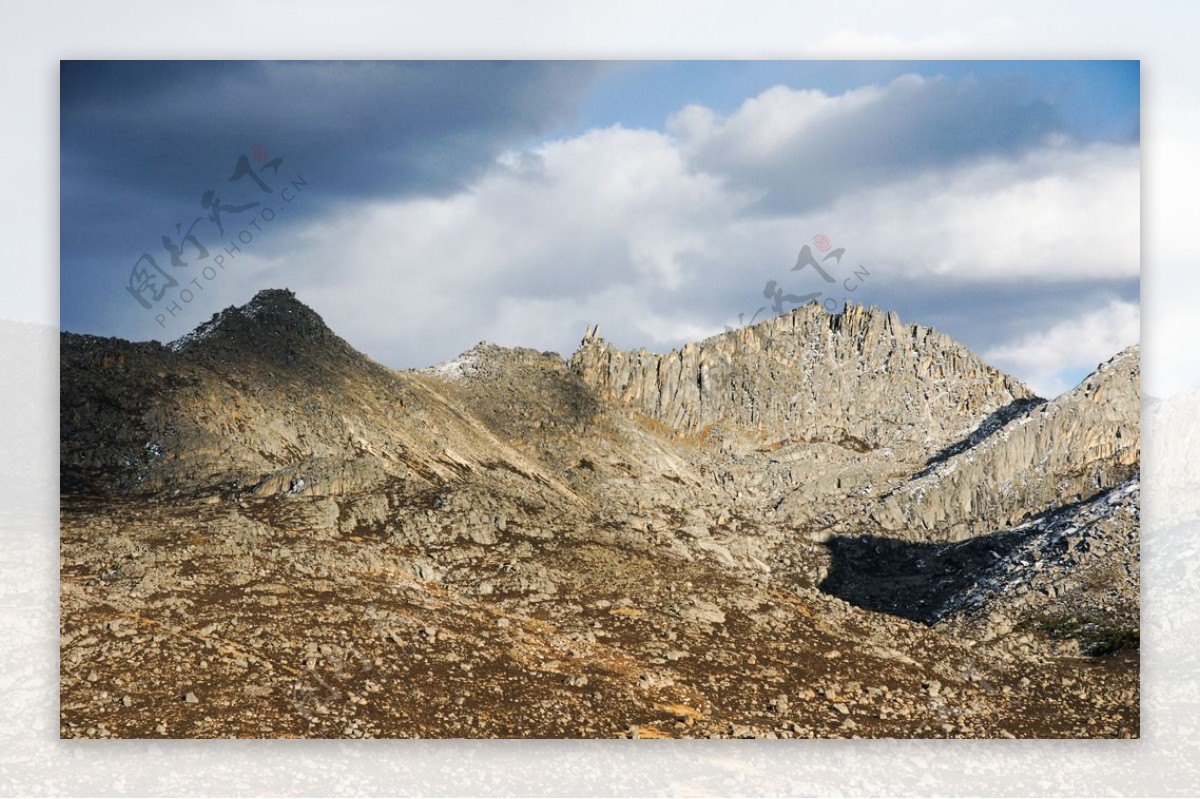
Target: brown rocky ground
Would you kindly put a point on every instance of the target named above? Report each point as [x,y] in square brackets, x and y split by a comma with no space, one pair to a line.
[265,534]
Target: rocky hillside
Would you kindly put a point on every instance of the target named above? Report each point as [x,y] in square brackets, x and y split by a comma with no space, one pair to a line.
[1076,447]
[822,525]
[859,378]
[262,399]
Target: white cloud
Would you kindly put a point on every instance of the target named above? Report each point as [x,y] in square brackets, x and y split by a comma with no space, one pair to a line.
[1057,213]
[799,149]
[1051,360]
[593,228]
[769,124]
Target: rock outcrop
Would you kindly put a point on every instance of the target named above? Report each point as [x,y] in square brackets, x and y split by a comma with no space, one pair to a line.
[1063,452]
[859,377]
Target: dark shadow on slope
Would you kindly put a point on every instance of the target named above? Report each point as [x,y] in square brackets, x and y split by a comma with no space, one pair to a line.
[911,580]
[993,423]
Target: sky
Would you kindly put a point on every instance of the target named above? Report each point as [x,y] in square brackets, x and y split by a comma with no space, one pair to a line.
[421,207]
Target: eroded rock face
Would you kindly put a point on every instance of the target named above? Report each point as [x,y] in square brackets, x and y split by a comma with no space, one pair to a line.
[1065,451]
[860,377]
[754,536]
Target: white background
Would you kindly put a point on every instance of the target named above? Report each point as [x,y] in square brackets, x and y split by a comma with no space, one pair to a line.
[34,37]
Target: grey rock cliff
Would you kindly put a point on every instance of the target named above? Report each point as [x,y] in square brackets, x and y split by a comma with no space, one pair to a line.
[859,377]
[1066,451]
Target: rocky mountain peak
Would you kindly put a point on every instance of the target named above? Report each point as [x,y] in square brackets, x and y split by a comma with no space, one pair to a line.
[467,363]
[274,325]
[1068,450]
[860,374]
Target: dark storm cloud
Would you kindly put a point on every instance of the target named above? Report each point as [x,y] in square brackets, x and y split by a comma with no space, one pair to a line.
[366,128]
[142,141]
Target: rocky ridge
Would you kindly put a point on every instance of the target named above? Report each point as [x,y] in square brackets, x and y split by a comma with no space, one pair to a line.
[1061,452]
[262,400]
[859,378]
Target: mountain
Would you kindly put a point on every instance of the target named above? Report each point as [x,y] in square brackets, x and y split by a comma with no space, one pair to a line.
[1068,450]
[262,399]
[859,378]
[820,525]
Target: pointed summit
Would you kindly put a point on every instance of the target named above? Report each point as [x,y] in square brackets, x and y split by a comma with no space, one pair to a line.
[274,324]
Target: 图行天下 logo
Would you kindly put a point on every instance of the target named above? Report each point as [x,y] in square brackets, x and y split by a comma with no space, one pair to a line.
[774,291]
[251,199]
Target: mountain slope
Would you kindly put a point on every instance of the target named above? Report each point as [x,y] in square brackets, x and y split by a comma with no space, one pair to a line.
[264,532]
[263,399]
[1065,451]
